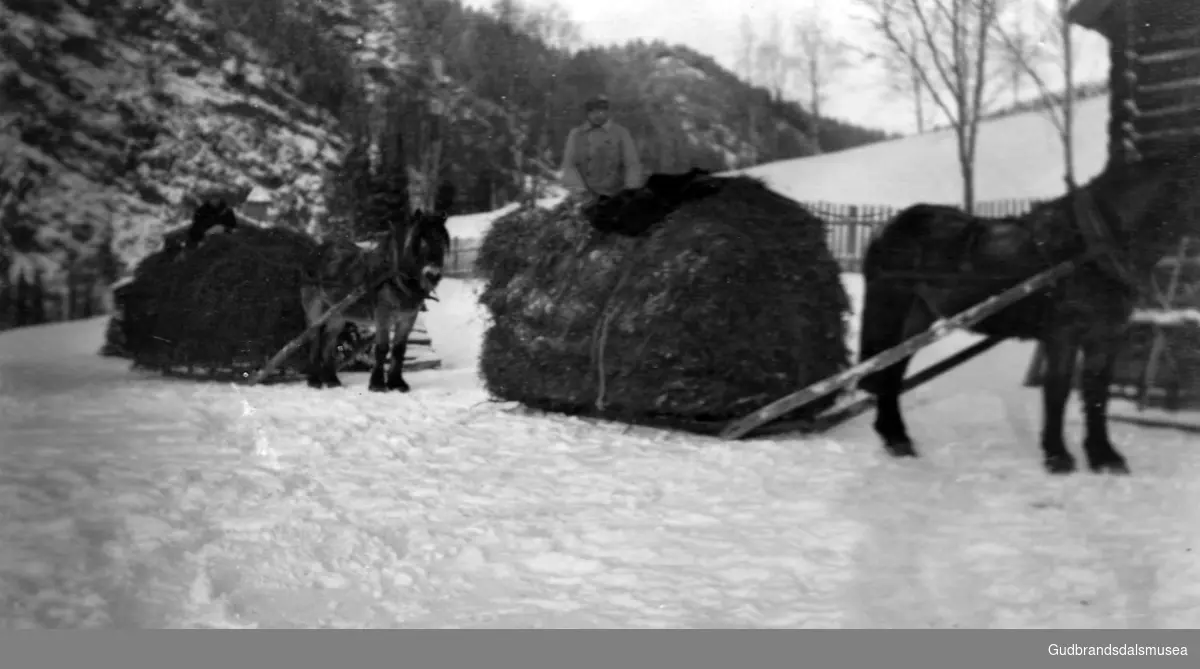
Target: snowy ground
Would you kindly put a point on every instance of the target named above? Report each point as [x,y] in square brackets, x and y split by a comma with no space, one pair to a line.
[134,501]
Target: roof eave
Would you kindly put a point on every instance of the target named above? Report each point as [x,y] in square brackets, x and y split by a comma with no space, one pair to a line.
[1090,14]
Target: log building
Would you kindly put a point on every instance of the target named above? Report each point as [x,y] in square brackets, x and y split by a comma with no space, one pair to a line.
[1154,79]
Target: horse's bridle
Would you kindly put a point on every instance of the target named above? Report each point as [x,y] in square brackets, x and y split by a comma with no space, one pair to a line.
[397,278]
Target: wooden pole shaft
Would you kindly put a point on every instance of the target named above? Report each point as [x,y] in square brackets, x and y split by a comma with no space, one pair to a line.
[293,345]
[844,412]
[776,409]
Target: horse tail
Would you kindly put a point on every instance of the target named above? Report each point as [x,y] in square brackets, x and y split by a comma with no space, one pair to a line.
[895,245]
[886,302]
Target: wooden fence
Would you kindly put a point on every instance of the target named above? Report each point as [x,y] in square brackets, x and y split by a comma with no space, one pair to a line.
[463,252]
[849,227]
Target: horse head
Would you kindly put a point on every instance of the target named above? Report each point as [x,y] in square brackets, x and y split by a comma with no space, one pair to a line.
[421,243]
[427,243]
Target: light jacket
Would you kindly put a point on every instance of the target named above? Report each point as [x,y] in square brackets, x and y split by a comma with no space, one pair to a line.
[601,159]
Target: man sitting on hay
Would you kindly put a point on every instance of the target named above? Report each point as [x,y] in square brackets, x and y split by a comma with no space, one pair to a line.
[600,157]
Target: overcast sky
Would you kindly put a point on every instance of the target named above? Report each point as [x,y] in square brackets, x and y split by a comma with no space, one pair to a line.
[859,95]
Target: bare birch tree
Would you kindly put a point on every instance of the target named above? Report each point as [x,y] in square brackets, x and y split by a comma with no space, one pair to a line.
[747,44]
[951,56]
[1018,46]
[772,60]
[818,56]
[1028,52]
[903,77]
[553,24]
[432,102]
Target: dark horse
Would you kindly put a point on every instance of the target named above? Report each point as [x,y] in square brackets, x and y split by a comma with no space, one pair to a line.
[212,213]
[634,211]
[931,262]
[409,259]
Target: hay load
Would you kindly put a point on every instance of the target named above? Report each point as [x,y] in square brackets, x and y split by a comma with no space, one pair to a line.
[221,308]
[731,301]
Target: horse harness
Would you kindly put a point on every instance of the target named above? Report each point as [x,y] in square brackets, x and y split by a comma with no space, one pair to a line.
[398,280]
[1100,247]
[1100,244]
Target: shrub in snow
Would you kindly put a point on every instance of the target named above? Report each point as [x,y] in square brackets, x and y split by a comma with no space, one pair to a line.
[734,300]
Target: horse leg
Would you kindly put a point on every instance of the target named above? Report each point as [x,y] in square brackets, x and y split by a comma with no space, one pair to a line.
[382,329]
[329,345]
[889,420]
[1099,358]
[311,299]
[402,326]
[1061,348]
[315,369]
[888,319]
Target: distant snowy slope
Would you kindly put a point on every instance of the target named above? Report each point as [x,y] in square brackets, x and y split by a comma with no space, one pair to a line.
[1019,156]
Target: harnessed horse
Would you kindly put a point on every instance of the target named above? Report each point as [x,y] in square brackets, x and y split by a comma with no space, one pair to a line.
[402,268]
[931,261]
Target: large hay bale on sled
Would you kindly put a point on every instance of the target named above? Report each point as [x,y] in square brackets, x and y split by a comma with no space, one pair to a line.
[730,302]
[221,308]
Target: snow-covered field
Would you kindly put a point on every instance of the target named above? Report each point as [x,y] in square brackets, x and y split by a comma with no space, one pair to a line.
[129,500]
[1019,157]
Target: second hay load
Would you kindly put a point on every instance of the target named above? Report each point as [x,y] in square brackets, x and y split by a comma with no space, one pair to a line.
[731,302]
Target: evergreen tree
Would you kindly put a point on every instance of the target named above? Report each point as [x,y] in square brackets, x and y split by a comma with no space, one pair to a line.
[349,187]
[389,197]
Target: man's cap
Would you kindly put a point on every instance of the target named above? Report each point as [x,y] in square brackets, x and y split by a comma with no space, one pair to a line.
[596,102]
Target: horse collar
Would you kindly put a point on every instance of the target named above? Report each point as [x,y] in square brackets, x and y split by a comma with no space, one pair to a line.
[1099,243]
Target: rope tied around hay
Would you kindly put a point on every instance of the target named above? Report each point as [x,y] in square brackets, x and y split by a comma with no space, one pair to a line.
[599,340]
[604,325]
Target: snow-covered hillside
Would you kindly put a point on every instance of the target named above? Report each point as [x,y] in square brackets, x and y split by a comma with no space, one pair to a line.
[1019,156]
[116,116]
[131,500]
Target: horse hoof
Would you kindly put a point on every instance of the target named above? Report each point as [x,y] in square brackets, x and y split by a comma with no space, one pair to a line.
[315,383]
[377,388]
[1060,464]
[400,386]
[1113,464]
[900,449]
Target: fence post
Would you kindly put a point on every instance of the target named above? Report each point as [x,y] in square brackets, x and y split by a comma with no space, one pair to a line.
[852,241]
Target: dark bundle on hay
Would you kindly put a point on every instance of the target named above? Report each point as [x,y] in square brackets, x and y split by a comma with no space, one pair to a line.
[221,308]
[732,301]
[635,211]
